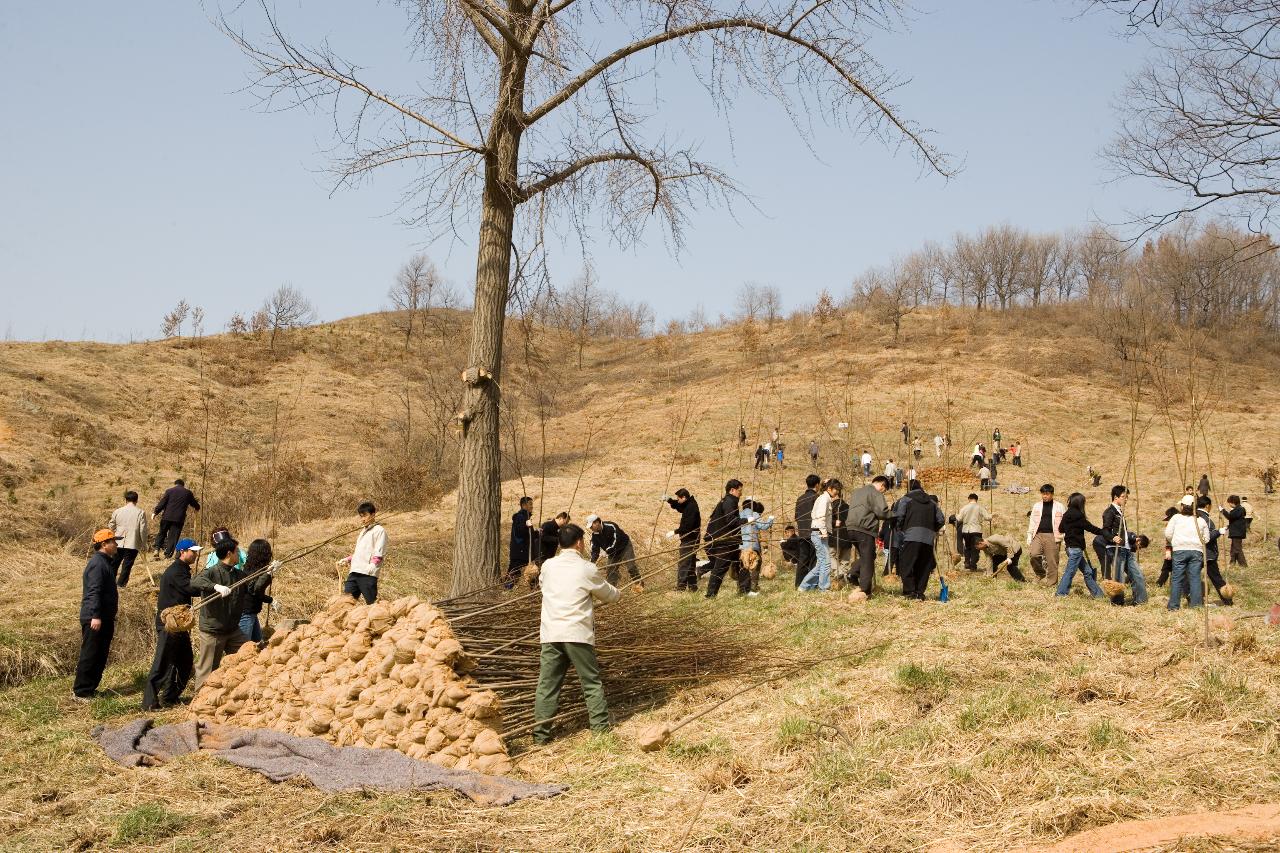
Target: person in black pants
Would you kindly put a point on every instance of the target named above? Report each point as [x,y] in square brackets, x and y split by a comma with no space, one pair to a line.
[688,529]
[920,519]
[172,510]
[799,551]
[520,548]
[1237,529]
[99,601]
[724,542]
[173,662]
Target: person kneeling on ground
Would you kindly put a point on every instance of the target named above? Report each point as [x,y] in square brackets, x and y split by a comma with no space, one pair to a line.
[1004,553]
[171,667]
[571,585]
[365,561]
[799,551]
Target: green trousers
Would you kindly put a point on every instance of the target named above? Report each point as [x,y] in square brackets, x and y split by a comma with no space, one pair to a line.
[554,663]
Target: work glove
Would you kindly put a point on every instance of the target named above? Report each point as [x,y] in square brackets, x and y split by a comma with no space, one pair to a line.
[770,518]
[671,534]
[528,522]
[1222,531]
[271,569]
[221,590]
[666,498]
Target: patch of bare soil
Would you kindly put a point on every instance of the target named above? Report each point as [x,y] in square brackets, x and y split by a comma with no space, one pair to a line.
[1251,823]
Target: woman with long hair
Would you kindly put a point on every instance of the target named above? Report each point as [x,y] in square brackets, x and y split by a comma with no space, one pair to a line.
[257,558]
[1074,525]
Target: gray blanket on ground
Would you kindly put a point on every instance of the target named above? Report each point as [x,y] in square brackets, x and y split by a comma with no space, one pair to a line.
[332,769]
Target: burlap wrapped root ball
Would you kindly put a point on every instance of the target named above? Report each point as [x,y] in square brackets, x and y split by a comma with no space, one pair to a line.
[391,675]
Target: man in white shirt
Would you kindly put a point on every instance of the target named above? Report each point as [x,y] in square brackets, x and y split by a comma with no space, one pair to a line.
[571,584]
[366,558]
[130,524]
[970,519]
[866,463]
[938,441]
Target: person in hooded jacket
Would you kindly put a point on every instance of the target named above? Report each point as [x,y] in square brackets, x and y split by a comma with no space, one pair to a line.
[920,518]
[688,530]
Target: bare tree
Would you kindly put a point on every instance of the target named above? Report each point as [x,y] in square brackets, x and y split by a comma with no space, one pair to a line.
[197,321]
[1202,116]
[529,111]
[238,325]
[412,295]
[759,302]
[1100,261]
[582,309]
[286,309]
[889,295]
[171,325]
[1036,270]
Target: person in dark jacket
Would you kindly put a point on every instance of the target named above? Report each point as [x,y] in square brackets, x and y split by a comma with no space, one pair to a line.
[799,552]
[549,536]
[1116,546]
[724,540]
[1202,488]
[920,518]
[1237,529]
[688,531]
[172,512]
[99,600]
[172,665]
[614,542]
[220,633]
[804,506]
[1074,525]
[839,540]
[1211,555]
[520,545]
[258,557]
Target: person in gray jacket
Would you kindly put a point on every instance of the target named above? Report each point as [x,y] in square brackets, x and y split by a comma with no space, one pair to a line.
[867,508]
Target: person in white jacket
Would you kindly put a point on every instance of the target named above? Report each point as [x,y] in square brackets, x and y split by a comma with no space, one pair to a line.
[1186,535]
[1044,535]
[571,584]
[820,576]
[365,561]
[130,524]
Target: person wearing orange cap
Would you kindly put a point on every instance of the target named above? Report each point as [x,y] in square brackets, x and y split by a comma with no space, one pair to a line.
[98,603]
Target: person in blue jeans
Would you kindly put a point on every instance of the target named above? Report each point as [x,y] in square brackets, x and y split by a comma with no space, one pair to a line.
[1074,525]
[258,557]
[1186,534]
[1124,562]
[819,577]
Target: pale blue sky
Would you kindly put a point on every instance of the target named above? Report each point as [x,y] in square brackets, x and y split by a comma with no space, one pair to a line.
[134,173]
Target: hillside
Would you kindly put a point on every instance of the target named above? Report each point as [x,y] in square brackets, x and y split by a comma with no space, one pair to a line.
[1002,718]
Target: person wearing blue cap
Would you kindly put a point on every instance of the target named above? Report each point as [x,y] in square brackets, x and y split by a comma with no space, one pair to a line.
[173,663]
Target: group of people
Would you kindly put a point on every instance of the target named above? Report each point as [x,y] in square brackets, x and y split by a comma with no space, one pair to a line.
[233,585]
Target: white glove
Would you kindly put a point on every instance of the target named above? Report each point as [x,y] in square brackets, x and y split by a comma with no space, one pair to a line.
[271,569]
[221,590]
[1222,531]
[770,518]
[666,498]
[528,522]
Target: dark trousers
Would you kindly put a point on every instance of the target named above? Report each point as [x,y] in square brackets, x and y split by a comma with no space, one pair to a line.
[358,585]
[970,541]
[865,568]
[1011,566]
[170,669]
[723,564]
[687,568]
[1104,564]
[1237,553]
[125,558]
[167,538]
[94,648]
[802,570]
[917,564]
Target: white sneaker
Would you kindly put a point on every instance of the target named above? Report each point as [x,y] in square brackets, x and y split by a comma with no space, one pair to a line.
[753,595]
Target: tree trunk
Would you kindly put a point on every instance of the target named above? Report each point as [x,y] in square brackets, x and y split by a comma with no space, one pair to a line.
[477,548]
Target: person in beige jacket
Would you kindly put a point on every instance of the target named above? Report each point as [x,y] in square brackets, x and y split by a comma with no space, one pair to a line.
[1044,535]
[970,519]
[130,524]
[571,585]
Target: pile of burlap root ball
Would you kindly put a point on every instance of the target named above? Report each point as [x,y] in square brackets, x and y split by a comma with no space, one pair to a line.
[391,675]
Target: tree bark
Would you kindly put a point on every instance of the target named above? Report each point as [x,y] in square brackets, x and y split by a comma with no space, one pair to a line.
[477,548]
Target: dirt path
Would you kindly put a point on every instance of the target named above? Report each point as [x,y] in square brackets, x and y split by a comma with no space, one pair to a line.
[1251,823]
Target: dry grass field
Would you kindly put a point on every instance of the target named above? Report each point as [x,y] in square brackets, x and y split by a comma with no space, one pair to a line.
[1001,719]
